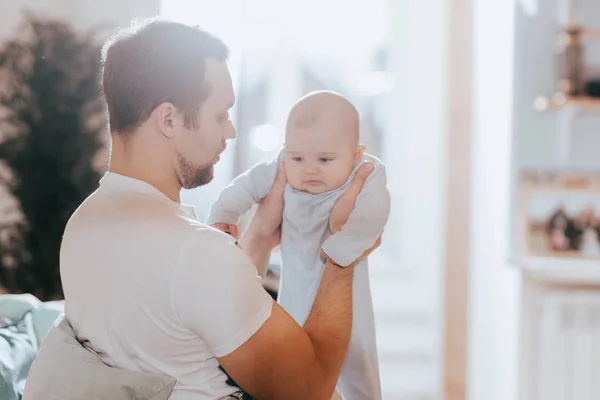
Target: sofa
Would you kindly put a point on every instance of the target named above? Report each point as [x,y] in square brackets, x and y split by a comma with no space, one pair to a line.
[24,324]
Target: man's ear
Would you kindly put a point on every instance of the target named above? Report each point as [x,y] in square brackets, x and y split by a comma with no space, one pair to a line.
[164,117]
[358,154]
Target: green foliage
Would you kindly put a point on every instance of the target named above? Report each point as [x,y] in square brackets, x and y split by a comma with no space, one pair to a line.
[51,132]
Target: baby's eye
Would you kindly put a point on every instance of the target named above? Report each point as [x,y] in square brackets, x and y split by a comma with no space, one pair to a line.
[297,159]
[325,160]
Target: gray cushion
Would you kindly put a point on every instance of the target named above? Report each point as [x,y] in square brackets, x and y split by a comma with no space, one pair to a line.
[65,370]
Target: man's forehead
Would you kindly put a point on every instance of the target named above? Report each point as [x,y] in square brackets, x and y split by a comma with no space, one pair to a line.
[218,78]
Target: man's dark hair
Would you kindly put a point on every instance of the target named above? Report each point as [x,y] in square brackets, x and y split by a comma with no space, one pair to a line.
[153,61]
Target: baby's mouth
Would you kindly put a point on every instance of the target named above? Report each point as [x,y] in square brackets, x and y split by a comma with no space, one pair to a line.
[313,183]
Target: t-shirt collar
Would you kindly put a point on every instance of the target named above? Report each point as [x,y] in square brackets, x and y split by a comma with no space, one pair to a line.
[125,183]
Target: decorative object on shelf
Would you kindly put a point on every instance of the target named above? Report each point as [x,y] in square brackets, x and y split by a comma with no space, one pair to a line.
[592,88]
[571,82]
[578,87]
[574,94]
[559,214]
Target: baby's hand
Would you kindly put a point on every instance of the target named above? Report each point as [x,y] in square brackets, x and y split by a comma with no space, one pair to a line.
[229,229]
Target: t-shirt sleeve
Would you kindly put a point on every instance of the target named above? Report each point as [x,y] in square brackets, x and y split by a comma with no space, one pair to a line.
[217,293]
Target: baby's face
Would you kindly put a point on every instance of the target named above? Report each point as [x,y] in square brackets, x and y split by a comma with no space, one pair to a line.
[319,158]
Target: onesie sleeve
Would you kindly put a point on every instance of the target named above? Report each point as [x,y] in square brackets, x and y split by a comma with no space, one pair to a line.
[248,189]
[366,222]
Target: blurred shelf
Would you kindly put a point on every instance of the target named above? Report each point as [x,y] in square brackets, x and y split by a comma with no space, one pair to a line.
[591,32]
[586,32]
[561,270]
[558,102]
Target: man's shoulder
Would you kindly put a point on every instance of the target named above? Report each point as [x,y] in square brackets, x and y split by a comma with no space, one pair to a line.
[134,213]
[206,240]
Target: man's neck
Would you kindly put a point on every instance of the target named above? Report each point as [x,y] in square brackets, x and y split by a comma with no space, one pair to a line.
[142,166]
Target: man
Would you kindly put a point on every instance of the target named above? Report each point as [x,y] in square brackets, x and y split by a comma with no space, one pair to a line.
[152,289]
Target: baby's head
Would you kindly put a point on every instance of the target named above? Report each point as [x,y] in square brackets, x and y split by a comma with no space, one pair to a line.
[321,142]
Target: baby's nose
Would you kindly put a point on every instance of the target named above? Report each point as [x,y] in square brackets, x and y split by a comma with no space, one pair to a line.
[311,169]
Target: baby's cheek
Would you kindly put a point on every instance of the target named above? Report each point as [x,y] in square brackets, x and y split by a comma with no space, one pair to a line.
[293,177]
[337,178]
[342,174]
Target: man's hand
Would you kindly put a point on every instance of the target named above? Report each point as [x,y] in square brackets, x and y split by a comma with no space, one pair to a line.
[229,229]
[264,232]
[269,215]
[345,204]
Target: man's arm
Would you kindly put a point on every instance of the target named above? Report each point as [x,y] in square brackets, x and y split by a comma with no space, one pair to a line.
[265,232]
[285,361]
[282,360]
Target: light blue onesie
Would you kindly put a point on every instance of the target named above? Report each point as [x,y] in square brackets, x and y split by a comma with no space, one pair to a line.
[305,231]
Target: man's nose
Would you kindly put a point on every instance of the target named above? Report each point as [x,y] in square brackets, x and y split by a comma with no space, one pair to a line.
[230,132]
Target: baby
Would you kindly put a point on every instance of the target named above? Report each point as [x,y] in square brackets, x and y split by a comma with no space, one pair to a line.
[321,155]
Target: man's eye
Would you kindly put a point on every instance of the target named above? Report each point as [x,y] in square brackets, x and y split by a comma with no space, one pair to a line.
[325,160]
[297,159]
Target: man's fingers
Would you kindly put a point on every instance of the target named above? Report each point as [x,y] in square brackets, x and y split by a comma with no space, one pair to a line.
[372,249]
[345,204]
[377,243]
[276,192]
[357,183]
[280,179]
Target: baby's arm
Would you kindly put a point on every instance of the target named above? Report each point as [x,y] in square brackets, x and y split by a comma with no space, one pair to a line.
[366,222]
[236,199]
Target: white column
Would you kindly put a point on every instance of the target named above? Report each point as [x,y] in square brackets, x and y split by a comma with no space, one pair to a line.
[494,287]
[415,146]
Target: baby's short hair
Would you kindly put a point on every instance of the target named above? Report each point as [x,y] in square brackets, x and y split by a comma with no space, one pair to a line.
[315,106]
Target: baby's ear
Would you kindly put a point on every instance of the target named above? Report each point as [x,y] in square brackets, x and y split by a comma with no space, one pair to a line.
[358,154]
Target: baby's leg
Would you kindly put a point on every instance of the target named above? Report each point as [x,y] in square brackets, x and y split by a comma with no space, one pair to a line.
[359,378]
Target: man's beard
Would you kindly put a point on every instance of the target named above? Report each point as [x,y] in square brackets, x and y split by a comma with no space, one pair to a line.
[193,176]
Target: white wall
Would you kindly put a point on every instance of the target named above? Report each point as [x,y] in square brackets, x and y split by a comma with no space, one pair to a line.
[82,14]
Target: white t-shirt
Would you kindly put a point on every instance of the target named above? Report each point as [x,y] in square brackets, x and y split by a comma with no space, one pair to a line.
[152,289]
